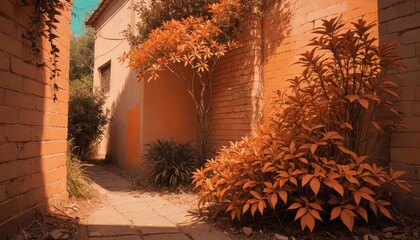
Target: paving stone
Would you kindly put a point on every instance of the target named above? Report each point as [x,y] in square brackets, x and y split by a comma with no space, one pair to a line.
[131,207]
[153,225]
[159,203]
[123,200]
[140,216]
[112,230]
[197,227]
[137,237]
[179,218]
[169,209]
[212,235]
[128,214]
[176,236]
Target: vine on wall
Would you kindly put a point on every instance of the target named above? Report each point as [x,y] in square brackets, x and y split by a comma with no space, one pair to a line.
[43,24]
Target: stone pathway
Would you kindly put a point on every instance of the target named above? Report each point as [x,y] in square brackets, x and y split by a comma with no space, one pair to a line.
[130,215]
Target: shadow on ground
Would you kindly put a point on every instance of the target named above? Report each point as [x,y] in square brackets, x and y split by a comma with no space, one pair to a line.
[126,214]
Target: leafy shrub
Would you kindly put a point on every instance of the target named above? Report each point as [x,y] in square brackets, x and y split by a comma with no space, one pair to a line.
[172,163]
[78,184]
[153,14]
[312,155]
[87,118]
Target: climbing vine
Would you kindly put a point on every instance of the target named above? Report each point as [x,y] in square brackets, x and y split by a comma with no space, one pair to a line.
[43,25]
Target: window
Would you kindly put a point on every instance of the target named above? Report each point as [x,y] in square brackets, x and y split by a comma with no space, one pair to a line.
[105,77]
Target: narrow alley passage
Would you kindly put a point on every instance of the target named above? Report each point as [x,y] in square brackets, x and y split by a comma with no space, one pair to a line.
[126,214]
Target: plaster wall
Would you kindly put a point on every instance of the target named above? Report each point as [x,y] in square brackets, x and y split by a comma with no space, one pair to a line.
[141,112]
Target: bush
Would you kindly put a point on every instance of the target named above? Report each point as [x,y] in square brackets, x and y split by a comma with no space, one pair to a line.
[78,184]
[87,118]
[153,14]
[172,163]
[311,157]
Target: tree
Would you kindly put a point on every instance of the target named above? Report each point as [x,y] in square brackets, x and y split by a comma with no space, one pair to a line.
[81,55]
[190,49]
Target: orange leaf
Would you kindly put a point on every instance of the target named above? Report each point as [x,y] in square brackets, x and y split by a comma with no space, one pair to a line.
[364,103]
[385,211]
[283,195]
[357,197]
[315,185]
[352,98]
[371,181]
[347,216]
[345,150]
[362,213]
[261,206]
[254,208]
[273,200]
[294,206]
[255,194]
[300,213]
[246,207]
[315,214]
[335,212]
[310,221]
[373,207]
[396,174]
[306,179]
[292,146]
[304,160]
[335,185]
[249,184]
[313,148]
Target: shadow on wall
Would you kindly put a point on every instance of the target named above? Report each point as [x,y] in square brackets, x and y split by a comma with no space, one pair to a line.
[144,112]
[33,128]
[277,25]
[399,21]
[123,146]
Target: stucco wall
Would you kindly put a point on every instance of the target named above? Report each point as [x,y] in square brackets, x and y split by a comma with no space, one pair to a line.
[33,128]
[141,112]
[124,94]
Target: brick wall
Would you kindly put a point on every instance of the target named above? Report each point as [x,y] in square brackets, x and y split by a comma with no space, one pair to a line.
[400,20]
[231,115]
[33,128]
[286,29]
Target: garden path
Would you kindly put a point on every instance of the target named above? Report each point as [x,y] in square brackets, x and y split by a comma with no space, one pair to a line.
[126,214]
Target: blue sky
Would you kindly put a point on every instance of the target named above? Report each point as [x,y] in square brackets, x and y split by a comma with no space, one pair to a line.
[80,10]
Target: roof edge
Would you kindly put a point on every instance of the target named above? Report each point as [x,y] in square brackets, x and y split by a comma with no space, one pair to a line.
[93,18]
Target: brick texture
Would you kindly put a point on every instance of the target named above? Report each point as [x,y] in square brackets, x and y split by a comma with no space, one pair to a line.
[402,21]
[33,128]
[285,31]
[275,44]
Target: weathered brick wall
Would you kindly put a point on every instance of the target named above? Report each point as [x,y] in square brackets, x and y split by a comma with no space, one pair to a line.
[33,128]
[400,20]
[231,115]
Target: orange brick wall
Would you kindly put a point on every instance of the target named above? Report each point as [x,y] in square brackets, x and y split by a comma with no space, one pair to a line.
[400,20]
[33,128]
[230,117]
[286,29]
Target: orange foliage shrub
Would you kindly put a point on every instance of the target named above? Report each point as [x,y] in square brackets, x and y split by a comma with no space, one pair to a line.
[193,43]
[311,157]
